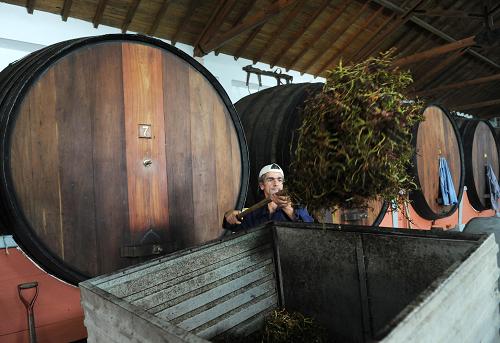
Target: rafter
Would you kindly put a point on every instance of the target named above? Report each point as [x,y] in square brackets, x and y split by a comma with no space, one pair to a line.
[351,38]
[99,12]
[481,104]
[372,35]
[449,14]
[185,20]
[395,25]
[450,76]
[437,69]
[242,14]
[66,9]
[494,11]
[282,26]
[415,40]
[248,24]
[299,34]
[440,50]
[247,41]
[159,16]
[459,85]
[213,24]
[443,70]
[327,25]
[30,6]
[434,30]
[130,15]
[351,21]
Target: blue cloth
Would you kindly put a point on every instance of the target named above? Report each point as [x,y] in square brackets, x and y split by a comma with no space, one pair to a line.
[493,185]
[448,195]
[261,216]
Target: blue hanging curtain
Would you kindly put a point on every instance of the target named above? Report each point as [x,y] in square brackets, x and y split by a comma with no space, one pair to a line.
[448,194]
[493,185]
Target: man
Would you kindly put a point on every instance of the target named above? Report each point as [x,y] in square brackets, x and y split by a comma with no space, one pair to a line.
[271,178]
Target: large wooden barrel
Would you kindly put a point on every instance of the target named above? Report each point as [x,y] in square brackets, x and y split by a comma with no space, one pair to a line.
[270,119]
[115,149]
[480,149]
[437,136]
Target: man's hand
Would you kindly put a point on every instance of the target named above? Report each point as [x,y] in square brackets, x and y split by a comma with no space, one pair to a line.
[281,201]
[231,217]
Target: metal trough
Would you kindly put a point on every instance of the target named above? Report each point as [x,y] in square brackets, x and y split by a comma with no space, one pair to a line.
[360,284]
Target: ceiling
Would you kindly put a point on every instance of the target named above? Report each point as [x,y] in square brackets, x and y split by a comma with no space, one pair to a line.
[450,46]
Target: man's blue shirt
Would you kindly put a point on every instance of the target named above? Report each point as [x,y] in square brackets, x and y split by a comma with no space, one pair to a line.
[261,216]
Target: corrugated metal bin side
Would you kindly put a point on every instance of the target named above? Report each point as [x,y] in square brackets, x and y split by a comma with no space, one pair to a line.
[224,287]
[464,307]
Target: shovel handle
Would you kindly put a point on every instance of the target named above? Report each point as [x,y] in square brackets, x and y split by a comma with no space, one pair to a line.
[29,306]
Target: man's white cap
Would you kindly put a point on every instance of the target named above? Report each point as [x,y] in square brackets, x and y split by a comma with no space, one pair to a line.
[271,168]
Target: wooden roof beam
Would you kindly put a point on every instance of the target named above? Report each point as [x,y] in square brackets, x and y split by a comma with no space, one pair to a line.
[449,14]
[283,25]
[130,15]
[459,85]
[437,69]
[159,16]
[327,25]
[248,24]
[247,41]
[388,4]
[398,23]
[30,6]
[481,104]
[299,34]
[244,11]
[372,35]
[350,22]
[66,9]
[99,12]
[185,20]
[440,50]
[494,11]
[350,40]
[213,24]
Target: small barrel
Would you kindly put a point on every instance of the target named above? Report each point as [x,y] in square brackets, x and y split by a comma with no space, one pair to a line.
[480,150]
[437,136]
[270,120]
[485,225]
[115,149]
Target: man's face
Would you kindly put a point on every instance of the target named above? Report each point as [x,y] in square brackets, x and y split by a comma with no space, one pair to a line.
[273,182]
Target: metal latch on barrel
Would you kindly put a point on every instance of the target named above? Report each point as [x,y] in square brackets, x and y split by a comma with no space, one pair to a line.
[147,249]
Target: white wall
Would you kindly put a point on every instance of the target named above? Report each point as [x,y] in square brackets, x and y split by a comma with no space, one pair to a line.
[22,33]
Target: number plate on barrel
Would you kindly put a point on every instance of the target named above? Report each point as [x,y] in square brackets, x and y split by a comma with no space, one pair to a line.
[145,131]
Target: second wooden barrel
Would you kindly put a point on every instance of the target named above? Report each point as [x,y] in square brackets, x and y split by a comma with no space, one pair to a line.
[437,136]
[271,119]
[480,149]
[115,149]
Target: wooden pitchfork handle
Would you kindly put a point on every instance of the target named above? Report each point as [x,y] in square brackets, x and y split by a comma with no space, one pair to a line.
[258,205]
[249,210]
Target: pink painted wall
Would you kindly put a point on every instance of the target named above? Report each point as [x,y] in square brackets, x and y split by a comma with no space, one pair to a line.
[468,212]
